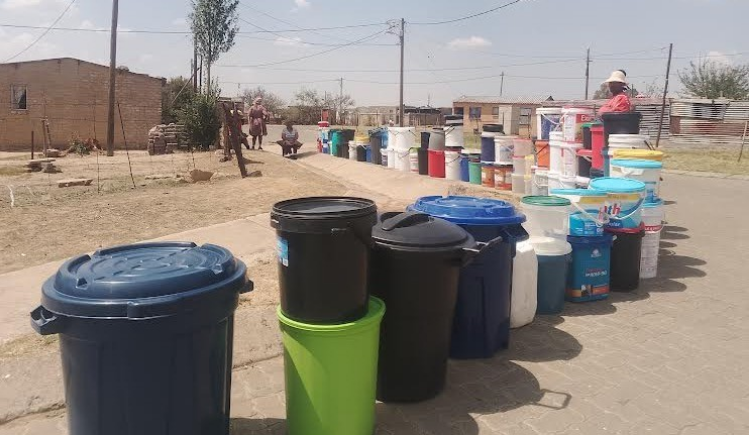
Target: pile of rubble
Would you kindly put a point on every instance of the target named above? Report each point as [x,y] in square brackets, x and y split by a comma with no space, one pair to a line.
[166,138]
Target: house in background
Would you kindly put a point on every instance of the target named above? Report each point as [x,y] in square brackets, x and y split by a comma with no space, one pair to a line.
[72,95]
[516,114]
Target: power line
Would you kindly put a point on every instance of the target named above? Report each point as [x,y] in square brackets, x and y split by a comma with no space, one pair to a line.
[33,43]
[434,23]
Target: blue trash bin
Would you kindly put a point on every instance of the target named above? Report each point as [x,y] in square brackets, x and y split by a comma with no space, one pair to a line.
[146,337]
[482,314]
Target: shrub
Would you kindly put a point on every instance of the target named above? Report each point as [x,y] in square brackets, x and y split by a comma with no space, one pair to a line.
[202,120]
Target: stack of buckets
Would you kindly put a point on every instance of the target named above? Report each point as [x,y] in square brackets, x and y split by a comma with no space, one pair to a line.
[401,141]
[454,142]
[323,137]
[436,159]
[521,164]
[564,147]
[548,121]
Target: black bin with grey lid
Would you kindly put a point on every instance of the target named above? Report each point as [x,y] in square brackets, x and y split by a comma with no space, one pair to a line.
[146,337]
[323,246]
[415,268]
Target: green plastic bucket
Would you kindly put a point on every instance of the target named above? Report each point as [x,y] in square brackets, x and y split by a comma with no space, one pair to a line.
[330,374]
[474,172]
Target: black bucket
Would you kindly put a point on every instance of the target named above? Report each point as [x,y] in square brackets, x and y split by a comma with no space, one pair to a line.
[425,135]
[423,161]
[375,142]
[323,246]
[625,266]
[361,153]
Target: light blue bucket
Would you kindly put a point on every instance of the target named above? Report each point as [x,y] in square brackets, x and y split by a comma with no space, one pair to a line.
[588,218]
[624,200]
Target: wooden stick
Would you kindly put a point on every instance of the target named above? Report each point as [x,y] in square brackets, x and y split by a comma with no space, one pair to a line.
[742,142]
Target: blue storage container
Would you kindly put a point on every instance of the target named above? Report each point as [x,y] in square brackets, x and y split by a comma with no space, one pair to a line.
[464,174]
[589,271]
[482,314]
[553,256]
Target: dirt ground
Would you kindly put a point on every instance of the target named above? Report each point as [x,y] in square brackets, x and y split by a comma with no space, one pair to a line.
[42,222]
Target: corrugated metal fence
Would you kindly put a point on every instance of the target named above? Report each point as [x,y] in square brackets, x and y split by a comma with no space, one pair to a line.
[650,109]
[714,121]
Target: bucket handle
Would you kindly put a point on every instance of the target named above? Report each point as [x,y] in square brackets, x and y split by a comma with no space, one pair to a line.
[599,223]
[469,254]
[46,322]
[453,160]
[636,209]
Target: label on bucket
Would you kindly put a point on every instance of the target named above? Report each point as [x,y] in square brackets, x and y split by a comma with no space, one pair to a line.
[282,251]
[589,275]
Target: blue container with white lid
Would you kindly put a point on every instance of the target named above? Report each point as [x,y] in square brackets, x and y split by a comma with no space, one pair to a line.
[482,314]
[143,327]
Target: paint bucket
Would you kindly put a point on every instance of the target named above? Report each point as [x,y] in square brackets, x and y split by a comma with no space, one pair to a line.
[567,182]
[518,184]
[452,164]
[487,147]
[423,161]
[524,277]
[588,279]
[436,163]
[352,151]
[570,159]
[554,180]
[546,216]
[437,139]
[637,154]
[542,153]
[653,217]
[385,157]
[626,142]
[588,217]
[540,182]
[547,120]
[402,159]
[503,148]
[487,174]
[625,264]
[553,257]
[624,200]
[522,147]
[573,119]
[474,172]
[648,171]
[413,158]
[391,158]
[555,152]
[503,176]
[453,136]
[464,174]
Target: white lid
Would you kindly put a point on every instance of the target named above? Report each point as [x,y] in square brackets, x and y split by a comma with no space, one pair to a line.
[549,246]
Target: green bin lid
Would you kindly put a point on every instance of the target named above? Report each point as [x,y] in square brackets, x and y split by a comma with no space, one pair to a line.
[546,201]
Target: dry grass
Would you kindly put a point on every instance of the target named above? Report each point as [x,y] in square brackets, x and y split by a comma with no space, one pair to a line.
[11,171]
[723,161]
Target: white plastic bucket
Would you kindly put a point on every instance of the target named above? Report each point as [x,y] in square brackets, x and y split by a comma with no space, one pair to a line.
[582,182]
[402,160]
[518,184]
[385,157]
[391,163]
[549,220]
[588,217]
[503,149]
[452,164]
[540,182]
[547,120]
[525,268]
[413,158]
[554,181]
[648,171]
[653,216]
[519,165]
[522,147]
[567,182]
[352,150]
[555,152]
[628,141]
[453,136]
[570,159]
[402,138]
[573,119]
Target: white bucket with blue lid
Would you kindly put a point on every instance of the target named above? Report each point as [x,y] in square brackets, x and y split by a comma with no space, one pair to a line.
[647,171]
[624,200]
[588,217]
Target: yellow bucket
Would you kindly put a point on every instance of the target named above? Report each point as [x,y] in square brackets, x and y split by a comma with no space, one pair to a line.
[637,154]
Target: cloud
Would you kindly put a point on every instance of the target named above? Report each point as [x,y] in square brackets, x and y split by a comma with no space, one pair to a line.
[289,42]
[468,43]
[19,4]
[145,58]
[301,4]
[11,46]
[719,57]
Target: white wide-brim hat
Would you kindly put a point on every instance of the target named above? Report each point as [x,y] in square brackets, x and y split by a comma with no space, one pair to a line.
[617,76]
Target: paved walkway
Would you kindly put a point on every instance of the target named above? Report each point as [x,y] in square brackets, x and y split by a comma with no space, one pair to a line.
[669,358]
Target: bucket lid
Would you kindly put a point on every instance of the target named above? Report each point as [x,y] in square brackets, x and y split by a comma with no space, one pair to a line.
[577,192]
[144,280]
[324,207]
[471,152]
[417,231]
[545,201]
[492,128]
[638,164]
[617,185]
[590,240]
[584,152]
[469,210]
[373,315]
[549,246]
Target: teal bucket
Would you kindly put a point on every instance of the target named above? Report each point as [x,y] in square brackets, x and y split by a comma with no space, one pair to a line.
[474,172]
[624,200]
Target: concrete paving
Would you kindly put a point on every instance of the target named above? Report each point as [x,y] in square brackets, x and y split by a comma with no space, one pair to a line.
[669,358]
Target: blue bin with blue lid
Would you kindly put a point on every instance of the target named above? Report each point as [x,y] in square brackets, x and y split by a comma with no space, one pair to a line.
[146,337]
[481,324]
[588,279]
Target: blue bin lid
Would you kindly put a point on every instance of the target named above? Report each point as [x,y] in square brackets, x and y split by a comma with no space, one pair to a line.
[638,164]
[605,239]
[577,192]
[617,185]
[469,210]
[144,280]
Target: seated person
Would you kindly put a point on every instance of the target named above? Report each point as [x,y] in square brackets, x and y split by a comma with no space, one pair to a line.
[289,141]
[619,102]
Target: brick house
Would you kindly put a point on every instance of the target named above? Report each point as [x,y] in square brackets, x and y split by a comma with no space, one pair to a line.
[517,114]
[72,94]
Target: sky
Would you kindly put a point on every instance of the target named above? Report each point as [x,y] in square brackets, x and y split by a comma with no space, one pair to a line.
[539,45]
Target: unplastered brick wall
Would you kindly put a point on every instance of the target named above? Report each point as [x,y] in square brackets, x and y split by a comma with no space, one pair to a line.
[73,95]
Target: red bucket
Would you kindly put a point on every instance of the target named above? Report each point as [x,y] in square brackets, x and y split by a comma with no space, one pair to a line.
[436,163]
[597,145]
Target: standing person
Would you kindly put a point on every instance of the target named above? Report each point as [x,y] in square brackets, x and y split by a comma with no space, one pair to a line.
[257,122]
[289,140]
[619,102]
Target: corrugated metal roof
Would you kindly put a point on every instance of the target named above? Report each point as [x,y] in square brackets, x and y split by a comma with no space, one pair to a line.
[529,100]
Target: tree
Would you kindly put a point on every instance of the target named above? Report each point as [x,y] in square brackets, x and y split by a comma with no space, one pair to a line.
[201,118]
[214,24]
[271,101]
[602,93]
[711,79]
[176,94]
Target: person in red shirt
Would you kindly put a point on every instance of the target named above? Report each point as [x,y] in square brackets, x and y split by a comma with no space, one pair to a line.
[619,102]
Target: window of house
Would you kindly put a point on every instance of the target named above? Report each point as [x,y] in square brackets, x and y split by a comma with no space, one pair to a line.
[458,111]
[525,116]
[18,97]
[475,113]
[495,110]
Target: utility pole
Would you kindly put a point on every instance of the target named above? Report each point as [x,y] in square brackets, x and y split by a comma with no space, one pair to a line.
[664,96]
[402,63]
[501,82]
[195,65]
[111,101]
[340,103]
[588,70]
